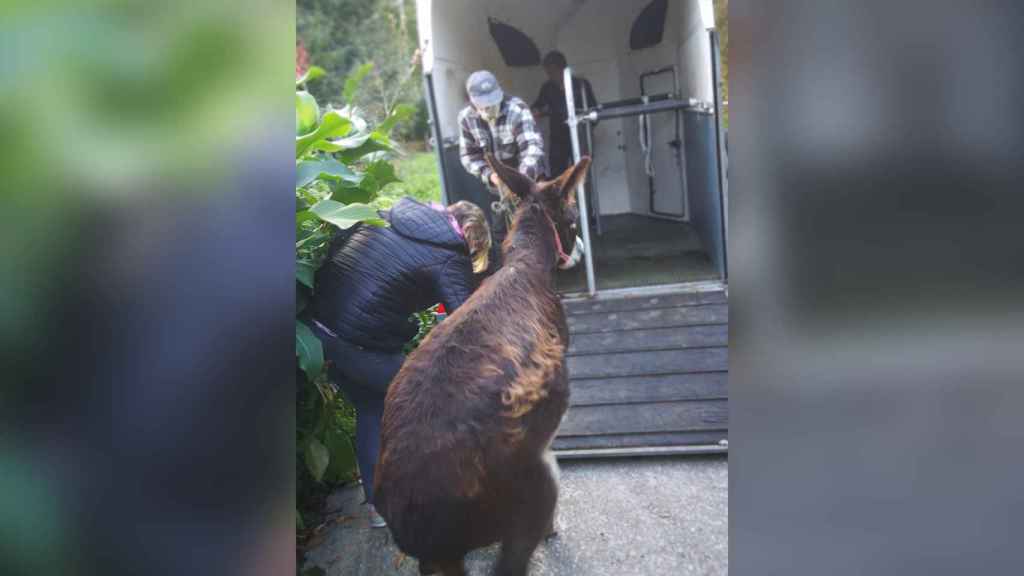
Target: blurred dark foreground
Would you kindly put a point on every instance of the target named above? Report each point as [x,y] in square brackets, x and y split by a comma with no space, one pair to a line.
[876,374]
[146,288]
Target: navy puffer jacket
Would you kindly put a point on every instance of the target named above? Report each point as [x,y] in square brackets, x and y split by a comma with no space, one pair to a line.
[375,279]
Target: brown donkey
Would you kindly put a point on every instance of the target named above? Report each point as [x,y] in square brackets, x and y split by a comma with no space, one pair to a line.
[465,456]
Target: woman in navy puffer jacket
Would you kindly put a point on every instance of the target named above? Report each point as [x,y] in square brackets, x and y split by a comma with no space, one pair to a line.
[373,281]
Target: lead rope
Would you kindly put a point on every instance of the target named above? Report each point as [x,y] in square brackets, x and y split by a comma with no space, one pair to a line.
[560,252]
[506,204]
[504,209]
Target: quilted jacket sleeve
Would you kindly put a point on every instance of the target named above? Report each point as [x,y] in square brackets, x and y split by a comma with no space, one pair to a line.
[455,282]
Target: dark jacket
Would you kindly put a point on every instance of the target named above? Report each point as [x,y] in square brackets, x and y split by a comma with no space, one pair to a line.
[552,100]
[374,280]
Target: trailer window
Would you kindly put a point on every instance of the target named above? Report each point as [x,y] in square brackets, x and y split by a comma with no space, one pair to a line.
[649,26]
[517,49]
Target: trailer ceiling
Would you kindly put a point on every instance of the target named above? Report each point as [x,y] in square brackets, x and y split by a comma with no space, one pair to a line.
[541,20]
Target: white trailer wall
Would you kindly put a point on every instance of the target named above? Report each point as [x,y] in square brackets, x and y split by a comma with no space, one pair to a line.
[594,36]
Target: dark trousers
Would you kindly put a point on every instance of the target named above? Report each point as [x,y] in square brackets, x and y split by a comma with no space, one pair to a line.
[559,153]
[363,376]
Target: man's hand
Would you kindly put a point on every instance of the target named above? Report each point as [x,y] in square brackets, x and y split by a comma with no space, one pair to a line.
[503,191]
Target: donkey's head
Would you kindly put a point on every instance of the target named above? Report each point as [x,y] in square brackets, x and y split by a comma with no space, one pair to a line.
[555,199]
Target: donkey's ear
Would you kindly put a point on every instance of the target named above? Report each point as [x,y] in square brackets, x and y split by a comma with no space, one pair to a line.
[573,176]
[518,184]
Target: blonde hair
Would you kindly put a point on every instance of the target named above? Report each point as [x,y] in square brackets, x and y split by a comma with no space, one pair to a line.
[476,231]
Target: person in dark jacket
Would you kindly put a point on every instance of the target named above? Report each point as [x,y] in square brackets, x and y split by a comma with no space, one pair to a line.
[551,102]
[369,287]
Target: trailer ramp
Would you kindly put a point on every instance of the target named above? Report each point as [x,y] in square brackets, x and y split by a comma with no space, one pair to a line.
[648,373]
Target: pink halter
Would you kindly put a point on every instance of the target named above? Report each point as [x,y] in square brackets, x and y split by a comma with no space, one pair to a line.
[562,256]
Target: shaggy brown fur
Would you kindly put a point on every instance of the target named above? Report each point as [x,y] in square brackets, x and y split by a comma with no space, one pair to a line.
[469,418]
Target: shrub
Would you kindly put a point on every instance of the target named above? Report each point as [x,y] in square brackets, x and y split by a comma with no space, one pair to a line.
[341,164]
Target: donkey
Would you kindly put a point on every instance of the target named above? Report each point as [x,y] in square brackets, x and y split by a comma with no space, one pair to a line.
[465,457]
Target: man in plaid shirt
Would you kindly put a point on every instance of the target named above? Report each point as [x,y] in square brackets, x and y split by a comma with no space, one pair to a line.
[503,126]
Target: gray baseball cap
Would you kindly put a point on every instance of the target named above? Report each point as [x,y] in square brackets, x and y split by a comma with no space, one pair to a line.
[483,89]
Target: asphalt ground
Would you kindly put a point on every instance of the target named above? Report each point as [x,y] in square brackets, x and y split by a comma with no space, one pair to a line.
[642,516]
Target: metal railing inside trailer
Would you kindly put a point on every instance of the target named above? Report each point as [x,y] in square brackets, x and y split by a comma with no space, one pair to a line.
[618,109]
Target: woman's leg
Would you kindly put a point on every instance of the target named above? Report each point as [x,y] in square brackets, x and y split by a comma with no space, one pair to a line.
[364,375]
[368,415]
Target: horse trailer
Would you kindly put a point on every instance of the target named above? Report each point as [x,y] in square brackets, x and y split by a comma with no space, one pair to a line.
[647,306]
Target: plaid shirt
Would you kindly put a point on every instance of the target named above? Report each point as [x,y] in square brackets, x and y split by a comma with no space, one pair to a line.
[518,142]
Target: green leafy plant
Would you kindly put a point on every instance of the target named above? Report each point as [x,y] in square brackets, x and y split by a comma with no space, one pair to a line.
[427,319]
[341,165]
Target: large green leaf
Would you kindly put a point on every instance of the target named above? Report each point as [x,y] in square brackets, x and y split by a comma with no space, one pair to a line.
[332,125]
[370,186]
[307,171]
[341,144]
[353,81]
[309,350]
[313,73]
[401,113]
[304,272]
[377,142]
[342,466]
[317,458]
[384,172]
[344,216]
[303,216]
[310,237]
[347,193]
[358,122]
[307,113]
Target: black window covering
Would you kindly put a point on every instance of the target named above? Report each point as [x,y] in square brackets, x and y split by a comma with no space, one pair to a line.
[649,26]
[517,49]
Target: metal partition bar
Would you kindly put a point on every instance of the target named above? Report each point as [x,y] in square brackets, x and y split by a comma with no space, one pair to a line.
[588,129]
[435,131]
[639,109]
[627,101]
[723,180]
[581,195]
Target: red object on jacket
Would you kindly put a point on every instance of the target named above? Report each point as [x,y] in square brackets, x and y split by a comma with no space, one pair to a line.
[440,309]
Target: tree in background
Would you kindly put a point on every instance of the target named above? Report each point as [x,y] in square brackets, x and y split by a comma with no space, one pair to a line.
[342,35]
[722,24]
[331,31]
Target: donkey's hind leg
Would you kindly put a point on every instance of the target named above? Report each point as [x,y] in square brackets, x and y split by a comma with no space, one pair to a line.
[553,470]
[453,568]
[450,568]
[532,522]
[515,557]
